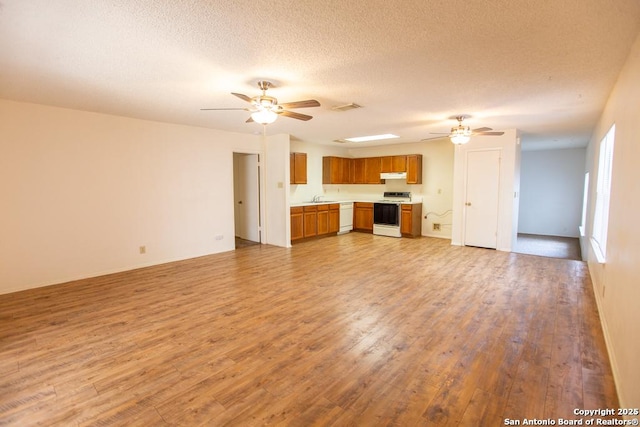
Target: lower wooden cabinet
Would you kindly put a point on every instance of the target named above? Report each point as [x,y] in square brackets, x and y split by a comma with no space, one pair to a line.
[334,218]
[315,220]
[297,223]
[411,220]
[363,217]
[323,220]
[310,221]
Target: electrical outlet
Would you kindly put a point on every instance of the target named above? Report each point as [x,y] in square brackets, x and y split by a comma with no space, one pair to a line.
[143,250]
[219,237]
[436,226]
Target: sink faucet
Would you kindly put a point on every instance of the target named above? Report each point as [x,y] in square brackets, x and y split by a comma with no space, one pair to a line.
[316,199]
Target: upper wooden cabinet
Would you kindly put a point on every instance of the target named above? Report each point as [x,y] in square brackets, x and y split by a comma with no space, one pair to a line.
[336,170]
[357,172]
[414,169]
[298,168]
[372,170]
[366,170]
[393,164]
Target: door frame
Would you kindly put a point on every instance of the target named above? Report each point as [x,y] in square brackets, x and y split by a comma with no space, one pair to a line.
[260,189]
[499,150]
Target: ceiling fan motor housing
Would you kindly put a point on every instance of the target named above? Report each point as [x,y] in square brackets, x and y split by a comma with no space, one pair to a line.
[264,102]
[461,130]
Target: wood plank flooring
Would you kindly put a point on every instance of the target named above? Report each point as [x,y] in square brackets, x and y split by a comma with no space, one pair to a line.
[349,330]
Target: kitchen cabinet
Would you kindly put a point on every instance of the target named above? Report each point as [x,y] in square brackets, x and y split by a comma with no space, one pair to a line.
[393,164]
[316,220]
[336,170]
[323,220]
[357,172]
[334,218]
[310,221]
[363,217]
[366,170]
[372,170]
[411,220]
[414,169]
[298,168]
[297,223]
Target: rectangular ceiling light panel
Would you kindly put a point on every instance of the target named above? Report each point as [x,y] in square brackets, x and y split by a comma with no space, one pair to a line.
[372,137]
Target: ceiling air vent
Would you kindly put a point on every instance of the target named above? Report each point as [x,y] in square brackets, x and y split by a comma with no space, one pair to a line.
[346,107]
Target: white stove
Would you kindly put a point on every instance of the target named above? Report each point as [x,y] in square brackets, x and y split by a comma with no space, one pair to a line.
[395,197]
[386,213]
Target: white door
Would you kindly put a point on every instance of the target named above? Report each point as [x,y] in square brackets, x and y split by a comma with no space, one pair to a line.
[246,196]
[482,198]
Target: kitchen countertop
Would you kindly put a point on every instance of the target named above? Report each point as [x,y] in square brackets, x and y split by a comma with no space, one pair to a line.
[416,201]
[321,202]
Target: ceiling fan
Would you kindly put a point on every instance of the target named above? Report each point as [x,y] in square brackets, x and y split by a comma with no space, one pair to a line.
[265,109]
[461,134]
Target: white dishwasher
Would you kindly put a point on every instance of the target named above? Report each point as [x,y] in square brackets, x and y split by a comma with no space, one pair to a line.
[346,217]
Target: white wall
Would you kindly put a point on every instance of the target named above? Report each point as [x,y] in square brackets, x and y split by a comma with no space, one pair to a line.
[551,191]
[436,189]
[617,283]
[509,145]
[81,192]
[276,201]
[315,152]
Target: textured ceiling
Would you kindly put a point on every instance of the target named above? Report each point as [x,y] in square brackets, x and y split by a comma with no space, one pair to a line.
[544,67]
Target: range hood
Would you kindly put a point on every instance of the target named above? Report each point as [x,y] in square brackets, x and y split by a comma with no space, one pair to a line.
[393,175]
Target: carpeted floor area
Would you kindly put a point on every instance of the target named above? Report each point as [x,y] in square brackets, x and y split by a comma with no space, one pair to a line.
[549,246]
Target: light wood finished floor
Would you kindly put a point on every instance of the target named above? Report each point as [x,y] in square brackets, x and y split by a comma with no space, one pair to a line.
[350,330]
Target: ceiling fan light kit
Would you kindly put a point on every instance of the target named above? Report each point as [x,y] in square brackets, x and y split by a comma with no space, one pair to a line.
[462,134]
[459,139]
[264,116]
[265,109]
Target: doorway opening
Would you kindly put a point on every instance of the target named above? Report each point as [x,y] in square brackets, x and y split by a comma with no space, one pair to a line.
[246,195]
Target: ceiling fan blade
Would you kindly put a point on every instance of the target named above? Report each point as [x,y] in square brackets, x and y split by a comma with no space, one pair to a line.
[435,137]
[301,104]
[489,133]
[439,133]
[295,115]
[223,109]
[241,96]
[485,129]
[249,120]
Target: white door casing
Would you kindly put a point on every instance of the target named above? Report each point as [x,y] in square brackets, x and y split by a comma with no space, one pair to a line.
[246,196]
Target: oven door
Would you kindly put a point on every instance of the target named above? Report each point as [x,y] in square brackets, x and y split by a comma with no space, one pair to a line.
[386,219]
[386,214]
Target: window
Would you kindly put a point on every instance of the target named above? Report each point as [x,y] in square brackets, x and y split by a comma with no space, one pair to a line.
[603,190]
[585,205]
